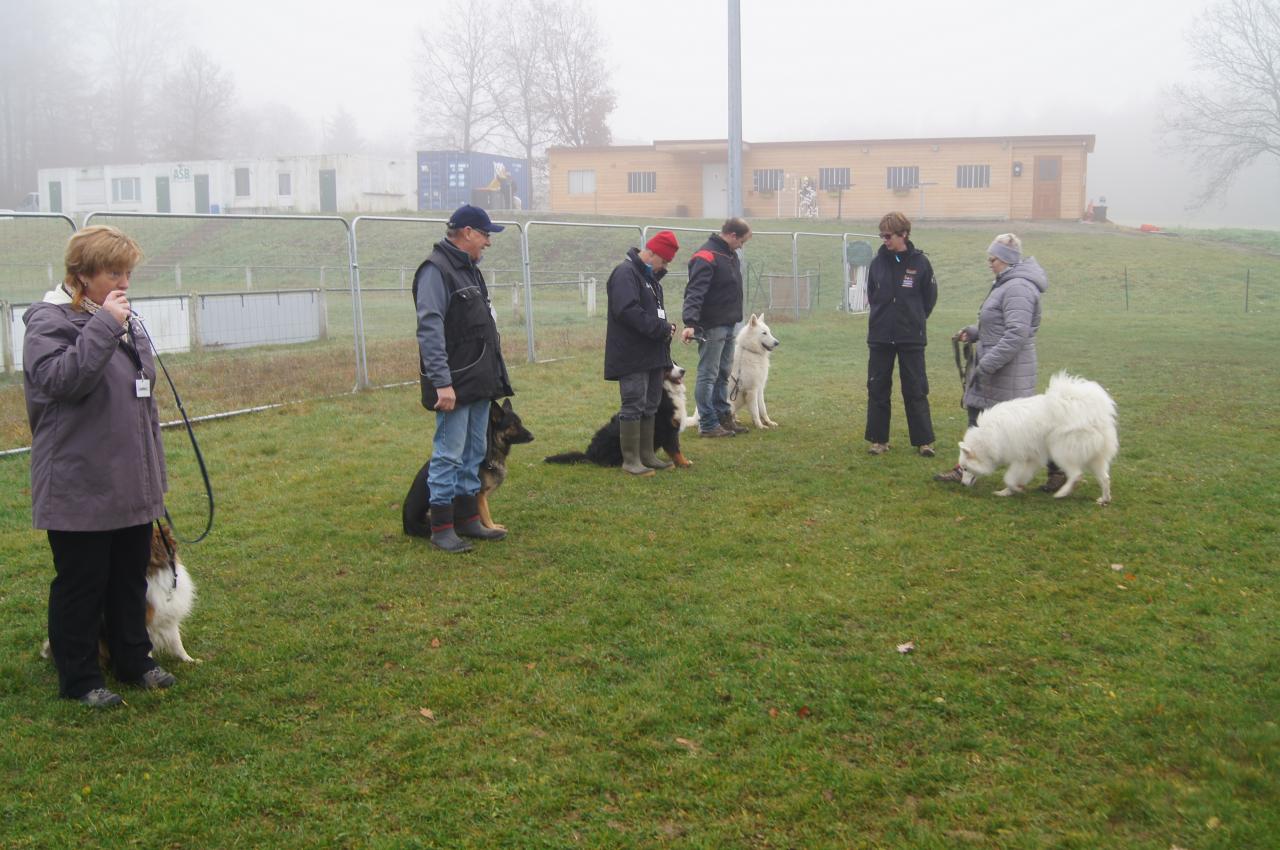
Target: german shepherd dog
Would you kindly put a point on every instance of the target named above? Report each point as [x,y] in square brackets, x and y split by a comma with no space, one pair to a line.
[606,446]
[505,430]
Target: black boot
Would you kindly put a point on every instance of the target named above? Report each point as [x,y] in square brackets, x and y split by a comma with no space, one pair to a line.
[466,520]
[442,534]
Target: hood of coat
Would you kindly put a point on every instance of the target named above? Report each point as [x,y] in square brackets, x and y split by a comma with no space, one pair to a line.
[57,295]
[1028,270]
[644,268]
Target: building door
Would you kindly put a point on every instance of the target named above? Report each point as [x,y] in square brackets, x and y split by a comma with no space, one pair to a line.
[202,193]
[162,195]
[55,196]
[1046,193]
[328,190]
[715,191]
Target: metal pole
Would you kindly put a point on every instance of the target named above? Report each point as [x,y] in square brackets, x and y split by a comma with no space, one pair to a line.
[735,109]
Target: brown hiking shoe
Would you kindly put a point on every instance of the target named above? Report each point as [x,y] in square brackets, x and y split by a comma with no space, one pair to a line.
[1056,479]
[878,448]
[926,451]
[731,424]
[716,432]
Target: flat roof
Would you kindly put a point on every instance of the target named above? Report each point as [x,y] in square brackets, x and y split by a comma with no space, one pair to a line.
[715,145]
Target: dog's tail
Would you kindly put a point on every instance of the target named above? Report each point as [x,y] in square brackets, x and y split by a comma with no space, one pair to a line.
[568,457]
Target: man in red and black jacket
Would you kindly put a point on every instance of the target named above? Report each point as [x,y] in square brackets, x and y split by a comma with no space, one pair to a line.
[902,293]
[712,306]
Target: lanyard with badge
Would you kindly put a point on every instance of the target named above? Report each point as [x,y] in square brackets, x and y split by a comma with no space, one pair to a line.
[142,385]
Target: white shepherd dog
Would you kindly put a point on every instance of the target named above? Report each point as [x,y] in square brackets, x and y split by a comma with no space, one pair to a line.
[1073,423]
[751,370]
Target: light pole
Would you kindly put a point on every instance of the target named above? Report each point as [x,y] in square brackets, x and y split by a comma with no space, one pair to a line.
[735,109]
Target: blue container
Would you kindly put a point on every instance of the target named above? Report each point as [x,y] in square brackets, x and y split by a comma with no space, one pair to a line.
[449,179]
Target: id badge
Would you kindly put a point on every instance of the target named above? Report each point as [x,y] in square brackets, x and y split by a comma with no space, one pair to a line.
[662,314]
[142,388]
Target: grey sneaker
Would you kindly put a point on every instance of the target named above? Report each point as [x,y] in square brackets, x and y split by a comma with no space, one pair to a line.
[716,432]
[157,678]
[926,451]
[101,698]
[953,474]
[878,448]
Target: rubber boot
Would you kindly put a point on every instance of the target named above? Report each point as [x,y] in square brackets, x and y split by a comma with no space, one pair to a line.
[466,520]
[629,437]
[443,535]
[648,455]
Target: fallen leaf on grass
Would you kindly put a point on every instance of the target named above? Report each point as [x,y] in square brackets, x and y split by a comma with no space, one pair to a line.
[435,643]
[691,746]
[1117,567]
[1213,823]
[909,646]
[1130,577]
[531,665]
[803,711]
[427,713]
[773,712]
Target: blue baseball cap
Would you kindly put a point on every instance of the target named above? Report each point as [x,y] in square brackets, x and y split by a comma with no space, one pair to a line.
[473,217]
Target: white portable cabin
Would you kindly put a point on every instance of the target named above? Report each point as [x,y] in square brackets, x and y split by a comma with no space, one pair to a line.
[320,184]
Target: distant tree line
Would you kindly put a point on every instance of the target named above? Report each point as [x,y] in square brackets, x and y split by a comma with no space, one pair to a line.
[513,78]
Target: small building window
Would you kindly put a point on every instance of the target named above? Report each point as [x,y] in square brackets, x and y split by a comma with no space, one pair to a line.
[126,189]
[284,184]
[973,176]
[834,178]
[902,177]
[582,182]
[767,179]
[242,182]
[457,175]
[642,181]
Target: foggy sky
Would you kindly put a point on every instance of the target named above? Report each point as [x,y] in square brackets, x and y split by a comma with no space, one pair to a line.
[812,69]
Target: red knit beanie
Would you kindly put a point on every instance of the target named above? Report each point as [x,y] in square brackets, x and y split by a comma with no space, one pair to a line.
[664,244]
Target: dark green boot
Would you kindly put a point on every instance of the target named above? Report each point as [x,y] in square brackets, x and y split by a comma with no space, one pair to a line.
[648,455]
[629,437]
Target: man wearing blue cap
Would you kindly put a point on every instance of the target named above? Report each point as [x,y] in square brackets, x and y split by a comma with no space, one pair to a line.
[461,372]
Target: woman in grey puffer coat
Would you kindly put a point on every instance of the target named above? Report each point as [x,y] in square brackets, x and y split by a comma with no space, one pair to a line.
[1004,365]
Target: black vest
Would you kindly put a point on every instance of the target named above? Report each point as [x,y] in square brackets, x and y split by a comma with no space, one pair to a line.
[471,340]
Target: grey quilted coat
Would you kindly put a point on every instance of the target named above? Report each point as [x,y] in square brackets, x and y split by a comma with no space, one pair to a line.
[1005,356]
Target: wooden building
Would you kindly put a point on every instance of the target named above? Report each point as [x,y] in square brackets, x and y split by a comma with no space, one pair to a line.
[992,177]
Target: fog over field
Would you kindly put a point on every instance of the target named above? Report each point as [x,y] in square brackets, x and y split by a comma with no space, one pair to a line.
[812,69]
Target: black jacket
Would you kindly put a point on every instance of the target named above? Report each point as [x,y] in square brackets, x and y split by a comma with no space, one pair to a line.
[471,341]
[714,294]
[902,292]
[636,339]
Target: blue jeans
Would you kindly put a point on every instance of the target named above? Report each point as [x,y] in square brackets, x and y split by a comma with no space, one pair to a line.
[459,446]
[715,360]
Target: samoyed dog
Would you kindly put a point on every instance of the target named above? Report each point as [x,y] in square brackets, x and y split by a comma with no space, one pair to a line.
[1073,424]
[750,372]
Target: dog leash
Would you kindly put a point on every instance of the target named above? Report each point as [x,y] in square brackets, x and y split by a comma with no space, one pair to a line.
[204,470]
[168,548]
[964,363]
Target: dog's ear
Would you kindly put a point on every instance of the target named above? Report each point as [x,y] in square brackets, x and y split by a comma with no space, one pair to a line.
[966,451]
[506,405]
[754,320]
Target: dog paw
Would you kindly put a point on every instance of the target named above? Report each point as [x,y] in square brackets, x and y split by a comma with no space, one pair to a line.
[1009,491]
[1102,500]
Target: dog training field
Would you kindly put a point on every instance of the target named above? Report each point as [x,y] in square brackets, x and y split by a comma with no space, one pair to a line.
[710,658]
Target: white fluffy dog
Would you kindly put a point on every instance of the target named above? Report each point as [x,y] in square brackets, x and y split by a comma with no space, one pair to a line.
[1073,423]
[751,370]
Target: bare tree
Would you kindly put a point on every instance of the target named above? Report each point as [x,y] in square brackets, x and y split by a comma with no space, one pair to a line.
[197,99]
[455,67]
[271,129]
[575,77]
[137,33]
[1235,118]
[341,133]
[520,103]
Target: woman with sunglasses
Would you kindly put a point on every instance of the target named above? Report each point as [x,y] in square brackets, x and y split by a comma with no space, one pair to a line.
[902,292]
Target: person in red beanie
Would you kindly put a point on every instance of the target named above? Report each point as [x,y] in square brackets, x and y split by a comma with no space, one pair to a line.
[637,347]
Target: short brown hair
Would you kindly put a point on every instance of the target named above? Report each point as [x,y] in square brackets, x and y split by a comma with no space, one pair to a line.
[99,247]
[895,222]
[736,226]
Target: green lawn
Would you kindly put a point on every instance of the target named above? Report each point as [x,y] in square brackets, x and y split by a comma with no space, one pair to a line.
[706,659]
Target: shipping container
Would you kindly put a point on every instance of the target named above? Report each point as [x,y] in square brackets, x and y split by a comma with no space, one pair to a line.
[449,179]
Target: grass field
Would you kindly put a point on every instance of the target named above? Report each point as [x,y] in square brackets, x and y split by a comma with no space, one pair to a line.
[706,659]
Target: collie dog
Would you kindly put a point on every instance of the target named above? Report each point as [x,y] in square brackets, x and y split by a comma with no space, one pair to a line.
[171,595]
[1073,423]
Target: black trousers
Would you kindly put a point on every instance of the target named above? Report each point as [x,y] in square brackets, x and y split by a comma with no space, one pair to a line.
[915,392]
[101,580]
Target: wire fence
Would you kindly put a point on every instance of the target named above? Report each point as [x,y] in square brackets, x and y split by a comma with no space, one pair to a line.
[258,310]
